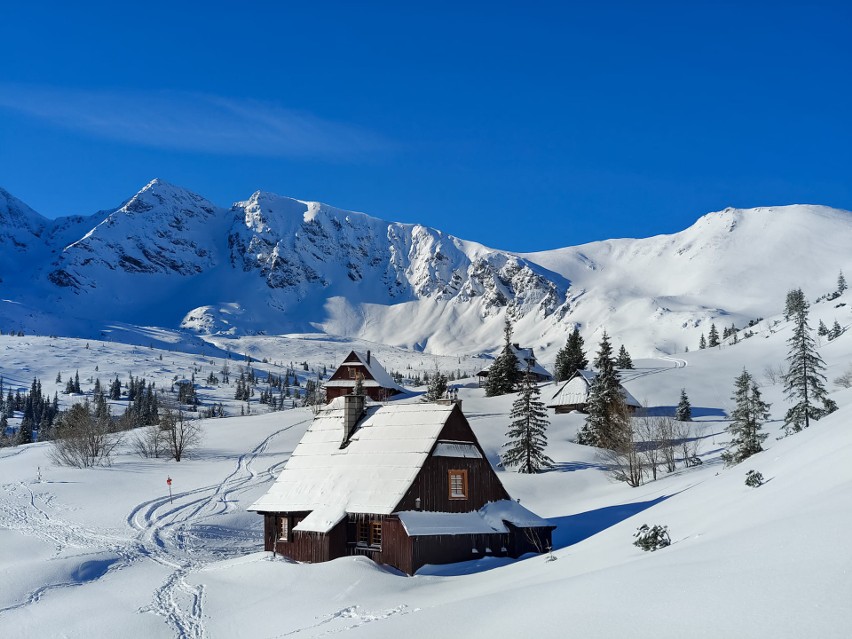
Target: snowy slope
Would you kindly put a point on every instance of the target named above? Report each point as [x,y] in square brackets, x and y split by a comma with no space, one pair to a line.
[273,265]
[83,552]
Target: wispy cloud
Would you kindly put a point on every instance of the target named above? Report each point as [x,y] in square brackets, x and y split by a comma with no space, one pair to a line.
[193,122]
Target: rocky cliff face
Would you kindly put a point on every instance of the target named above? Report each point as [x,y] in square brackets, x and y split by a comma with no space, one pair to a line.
[271,264]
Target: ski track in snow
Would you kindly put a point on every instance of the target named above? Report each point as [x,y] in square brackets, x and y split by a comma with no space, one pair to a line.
[163,534]
[350,612]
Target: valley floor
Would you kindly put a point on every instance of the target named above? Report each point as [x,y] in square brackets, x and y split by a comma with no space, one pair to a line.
[107,551]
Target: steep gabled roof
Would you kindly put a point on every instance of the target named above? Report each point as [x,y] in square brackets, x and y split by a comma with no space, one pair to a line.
[376,372]
[523,355]
[370,475]
[575,390]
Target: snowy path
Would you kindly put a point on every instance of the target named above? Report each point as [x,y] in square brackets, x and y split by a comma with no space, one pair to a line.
[165,532]
[169,532]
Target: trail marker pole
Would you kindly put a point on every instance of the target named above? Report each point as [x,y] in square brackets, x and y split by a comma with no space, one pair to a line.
[169,482]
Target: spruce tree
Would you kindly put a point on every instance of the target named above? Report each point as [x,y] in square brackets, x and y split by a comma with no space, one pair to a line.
[713,336]
[836,330]
[607,413]
[702,343]
[804,382]
[746,421]
[623,360]
[571,357]
[841,283]
[684,409]
[795,303]
[822,329]
[437,386]
[527,439]
[503,375]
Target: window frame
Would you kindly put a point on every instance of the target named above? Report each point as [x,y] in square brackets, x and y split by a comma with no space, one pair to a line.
[462,474]
[283,532]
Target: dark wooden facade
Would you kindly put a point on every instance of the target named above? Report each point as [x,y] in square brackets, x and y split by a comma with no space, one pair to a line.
[349,371]
[431,487]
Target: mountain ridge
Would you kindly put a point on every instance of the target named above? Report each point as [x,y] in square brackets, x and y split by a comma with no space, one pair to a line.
[274,264]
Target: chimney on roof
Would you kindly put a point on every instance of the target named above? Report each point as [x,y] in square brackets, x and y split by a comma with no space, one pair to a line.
[368,358]
[353,409]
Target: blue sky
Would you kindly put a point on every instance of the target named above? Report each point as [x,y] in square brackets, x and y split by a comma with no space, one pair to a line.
[524,126]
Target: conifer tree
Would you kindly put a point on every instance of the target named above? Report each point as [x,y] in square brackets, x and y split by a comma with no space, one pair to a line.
[623,360]
[503,375]
[795,303]
[822,329]
[841,283]
[358,389]
[571,357]
[702,343]
[836,330]
[713,336]
[437,386]
[607,419]
[683,413]
[804,382]
[746,421]
[527,439]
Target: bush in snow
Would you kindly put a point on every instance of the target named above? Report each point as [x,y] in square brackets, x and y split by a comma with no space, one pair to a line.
[652,538]
[753,479]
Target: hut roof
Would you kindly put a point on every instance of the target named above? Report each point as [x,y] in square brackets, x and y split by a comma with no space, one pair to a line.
[369,475]
[575,391]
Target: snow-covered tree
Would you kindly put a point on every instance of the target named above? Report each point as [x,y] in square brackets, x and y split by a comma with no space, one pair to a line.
[683,413]
[747,420]
[527,438]
[804,382]
[623,360]
[836,330]
[608,418]
[713,336]
[571,357]
[437,386]
[841,283]
[795,303]
[503,375]
[822,329]
[702,343]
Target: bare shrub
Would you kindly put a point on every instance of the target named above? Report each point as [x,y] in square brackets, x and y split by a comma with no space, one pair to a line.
[774,374]
[845,380]
[624,460]
[150,441]
[648,431]
[182,435]
[82,440]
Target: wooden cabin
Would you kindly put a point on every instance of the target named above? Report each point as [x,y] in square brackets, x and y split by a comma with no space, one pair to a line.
[378,385]
[526,357]
[573,394]
[405,484]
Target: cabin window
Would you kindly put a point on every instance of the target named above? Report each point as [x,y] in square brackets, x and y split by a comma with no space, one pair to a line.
[458,484]
[284,528]
[370,533]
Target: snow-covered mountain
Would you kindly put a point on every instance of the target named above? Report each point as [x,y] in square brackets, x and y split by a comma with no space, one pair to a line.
[270,264]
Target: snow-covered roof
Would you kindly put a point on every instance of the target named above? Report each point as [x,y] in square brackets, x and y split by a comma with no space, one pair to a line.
[457,449]
[370,475]
[524,355]
[491,518]
[576,391]
[376,370]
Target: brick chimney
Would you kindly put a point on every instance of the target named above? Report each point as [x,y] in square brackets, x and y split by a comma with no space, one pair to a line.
[353,410]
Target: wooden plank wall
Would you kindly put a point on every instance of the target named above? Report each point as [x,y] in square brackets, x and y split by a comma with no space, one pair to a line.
[432,482]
